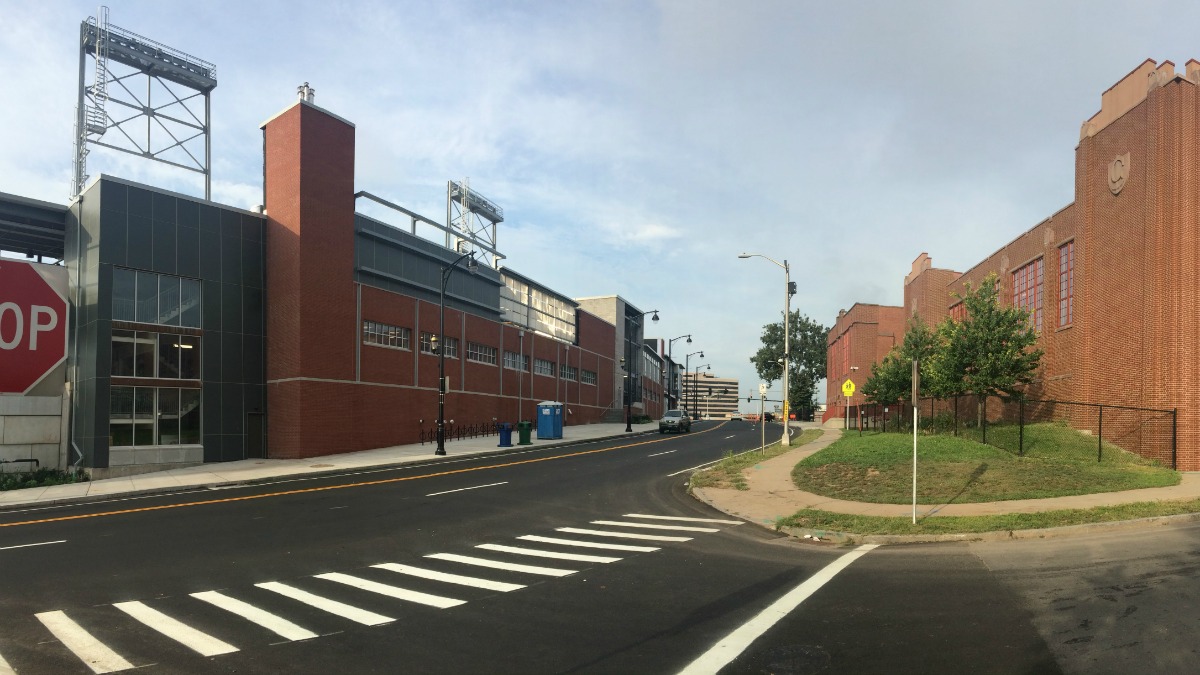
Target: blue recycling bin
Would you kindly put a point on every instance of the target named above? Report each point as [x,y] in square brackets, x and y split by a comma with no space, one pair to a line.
[505,435]
[550,420]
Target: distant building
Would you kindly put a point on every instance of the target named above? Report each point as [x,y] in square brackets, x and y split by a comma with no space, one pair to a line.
[710,396]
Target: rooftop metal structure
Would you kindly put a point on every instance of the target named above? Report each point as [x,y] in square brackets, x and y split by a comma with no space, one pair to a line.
[32,228]
[471,220]
[176,130]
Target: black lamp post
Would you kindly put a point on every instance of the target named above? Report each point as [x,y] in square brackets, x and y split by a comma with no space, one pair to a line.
[439,347]
[628,397]
[696,388]
[686,360]
[671,367]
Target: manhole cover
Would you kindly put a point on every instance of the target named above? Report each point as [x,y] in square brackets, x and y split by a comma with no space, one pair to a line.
[792,660]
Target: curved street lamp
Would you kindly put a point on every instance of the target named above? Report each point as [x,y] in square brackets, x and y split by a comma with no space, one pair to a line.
[686,361]
[439,347]
[671,367]
[696,387]
[787,320]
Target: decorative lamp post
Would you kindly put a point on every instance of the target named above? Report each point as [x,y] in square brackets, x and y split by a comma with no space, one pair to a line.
[439,348]
[789,289]
[671,368]
[686,360]
[628,397]
[696,387]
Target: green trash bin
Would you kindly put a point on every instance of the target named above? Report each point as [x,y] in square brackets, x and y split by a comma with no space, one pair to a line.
[523,429]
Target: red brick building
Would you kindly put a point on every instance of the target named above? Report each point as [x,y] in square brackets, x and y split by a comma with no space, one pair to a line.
[1110,278]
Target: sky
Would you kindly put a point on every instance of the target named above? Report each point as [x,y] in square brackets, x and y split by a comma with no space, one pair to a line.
[638,147]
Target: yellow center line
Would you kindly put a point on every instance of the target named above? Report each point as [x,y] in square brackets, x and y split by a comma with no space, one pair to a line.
[381,481]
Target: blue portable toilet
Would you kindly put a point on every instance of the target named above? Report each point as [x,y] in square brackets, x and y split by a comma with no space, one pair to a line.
[550,420]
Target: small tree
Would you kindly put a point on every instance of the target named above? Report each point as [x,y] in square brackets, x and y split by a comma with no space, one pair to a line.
[891,378]
[989,353]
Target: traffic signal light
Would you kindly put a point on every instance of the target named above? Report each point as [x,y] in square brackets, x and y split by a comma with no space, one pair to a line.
[791,288]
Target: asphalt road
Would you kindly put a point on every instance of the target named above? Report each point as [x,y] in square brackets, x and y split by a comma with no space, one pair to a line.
[283,577]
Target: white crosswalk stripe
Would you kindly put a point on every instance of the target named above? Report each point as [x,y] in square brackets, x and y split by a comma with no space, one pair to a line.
[91,651]
[459,579]
[6,669]
[685,520]
[392,591]
[334,607]
[199,642]
[588,544]
[620,535]
[495,564]
[648,526]
[278,625]
[538,553]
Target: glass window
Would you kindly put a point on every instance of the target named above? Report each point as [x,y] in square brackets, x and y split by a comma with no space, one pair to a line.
[1028,290]
[168,300]
[481,353]
[189,416]
[120,426]
[143,416]
[123,294]
[543,367]
[147,297]
[1066,284]
[168,417]
[451,345]
[588,377]
[122,353]
[189,357]
[189,303]
[145,356]
[168,356]
[385,335]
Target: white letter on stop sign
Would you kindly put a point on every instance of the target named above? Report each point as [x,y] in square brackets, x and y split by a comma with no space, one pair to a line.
[35,325]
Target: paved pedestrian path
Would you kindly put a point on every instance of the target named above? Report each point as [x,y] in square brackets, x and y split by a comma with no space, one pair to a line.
[772,494]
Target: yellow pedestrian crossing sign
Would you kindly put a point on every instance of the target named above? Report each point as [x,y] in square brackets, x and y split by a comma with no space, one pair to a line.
[848,388]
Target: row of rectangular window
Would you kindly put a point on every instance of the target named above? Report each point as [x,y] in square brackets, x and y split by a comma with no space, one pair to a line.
[159,355]
[385,335]
[140,416]
[398,336]
[149,297]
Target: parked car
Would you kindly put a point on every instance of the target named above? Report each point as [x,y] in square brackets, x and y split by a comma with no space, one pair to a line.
[674,420]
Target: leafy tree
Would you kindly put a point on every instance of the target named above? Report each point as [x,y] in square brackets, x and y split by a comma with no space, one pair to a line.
[891,378]
[809,345]
[989,353]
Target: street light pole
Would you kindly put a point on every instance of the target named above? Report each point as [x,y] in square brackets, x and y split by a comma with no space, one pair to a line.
[696,386]
[686,360]
[628,397]
[671,367]
[441,349]
[786,441]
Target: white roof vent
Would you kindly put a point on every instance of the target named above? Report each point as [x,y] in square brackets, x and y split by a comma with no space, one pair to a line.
[306,92]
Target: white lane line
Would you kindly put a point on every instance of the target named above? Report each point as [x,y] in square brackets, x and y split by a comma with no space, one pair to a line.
[662,453]
[476,487]
[725,651]
[539,553]
[91,651]
[393,591]
[512,567]
[587,544]
[6,669]
[40,543]
[683,519]
[728,437]
[202,643]
[341,609]
[694,468]
[648,526]
[620,535]
[459,579]
[278,625]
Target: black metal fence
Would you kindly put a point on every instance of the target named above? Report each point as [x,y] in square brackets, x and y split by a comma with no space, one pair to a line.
[1148,432]
[457,432]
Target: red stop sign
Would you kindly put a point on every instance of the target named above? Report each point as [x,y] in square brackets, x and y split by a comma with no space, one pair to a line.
[33,325]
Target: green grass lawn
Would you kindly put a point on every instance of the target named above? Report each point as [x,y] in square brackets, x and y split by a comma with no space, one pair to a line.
[728,472]
[1059,461]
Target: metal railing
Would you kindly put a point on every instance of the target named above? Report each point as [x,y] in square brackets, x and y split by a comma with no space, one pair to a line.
[1148,432]
[457,432]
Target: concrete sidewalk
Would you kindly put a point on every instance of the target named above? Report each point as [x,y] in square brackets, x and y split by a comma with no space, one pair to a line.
[259,470]
[772,494]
